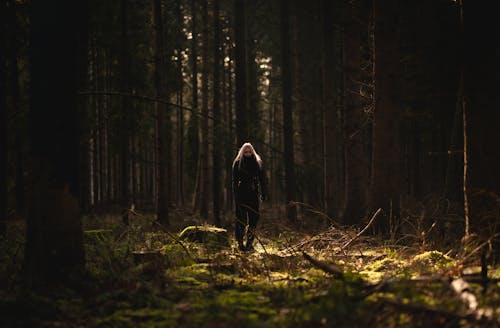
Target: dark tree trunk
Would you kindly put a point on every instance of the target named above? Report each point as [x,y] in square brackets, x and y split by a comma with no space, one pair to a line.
[230,145]
[14,82]
[254,129]
[290,181]
[217,158]
[204,150]
[3,119]
[161,113]
[481,99]
[357,178]
[54,243]
[242,134]
[385,184]
[180,113]
[124,127]
[331,156]
[194,142]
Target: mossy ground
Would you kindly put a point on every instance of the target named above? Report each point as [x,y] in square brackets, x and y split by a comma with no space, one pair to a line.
[191,284]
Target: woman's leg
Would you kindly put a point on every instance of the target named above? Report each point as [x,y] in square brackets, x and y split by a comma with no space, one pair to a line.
[240,224]
[253,218]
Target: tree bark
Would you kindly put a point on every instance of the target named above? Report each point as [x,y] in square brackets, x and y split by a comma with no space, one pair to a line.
[242,133]
[230,145]
[480,102]
[356,164]
[125,111]
[204,149]
[54,243]
[331,158]
[217,135]
[286,72]
[3,120]
[254,129]
[161,113]
[194,142]
[385,188]
[180,113]
[18,155]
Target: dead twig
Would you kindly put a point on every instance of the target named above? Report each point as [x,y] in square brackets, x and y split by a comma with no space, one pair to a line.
[164,229]
[336,272]
[364,229]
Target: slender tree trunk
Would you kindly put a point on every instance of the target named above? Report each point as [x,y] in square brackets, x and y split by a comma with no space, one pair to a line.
[124,128]
[54,243]
[230,146]
[356,164]
[479,102]
[194,123]
[217,158]
[242,134]
[204,150]
[14,81]
[254,130]
[95,168]
[331,156]
[385,186]
[161,112]
[180,114]
[290,181]
[3,120]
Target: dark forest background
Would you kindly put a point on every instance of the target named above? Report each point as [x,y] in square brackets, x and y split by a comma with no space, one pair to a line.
[354,105]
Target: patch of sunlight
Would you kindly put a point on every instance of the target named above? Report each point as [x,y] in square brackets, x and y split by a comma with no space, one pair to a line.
[431,261]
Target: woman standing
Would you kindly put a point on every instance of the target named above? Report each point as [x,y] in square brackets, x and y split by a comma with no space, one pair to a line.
[248,176]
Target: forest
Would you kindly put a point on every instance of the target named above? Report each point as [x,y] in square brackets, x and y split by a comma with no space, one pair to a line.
[249,163]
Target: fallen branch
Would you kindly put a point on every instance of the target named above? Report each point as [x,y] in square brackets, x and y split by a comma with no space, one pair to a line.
[364,229]
[335,271]
[171,235]
[462,289]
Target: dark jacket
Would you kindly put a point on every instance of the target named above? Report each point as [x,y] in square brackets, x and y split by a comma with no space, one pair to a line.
[248,176]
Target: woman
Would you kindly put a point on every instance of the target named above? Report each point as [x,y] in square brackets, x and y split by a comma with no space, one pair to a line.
[248,176]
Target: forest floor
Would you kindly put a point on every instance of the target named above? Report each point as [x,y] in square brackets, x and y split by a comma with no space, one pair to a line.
[144,276]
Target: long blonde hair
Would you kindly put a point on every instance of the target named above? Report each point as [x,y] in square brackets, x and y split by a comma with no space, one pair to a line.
[242,149]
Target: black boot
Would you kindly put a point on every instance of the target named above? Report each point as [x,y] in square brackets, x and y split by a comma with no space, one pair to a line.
[249,245]
[241,247]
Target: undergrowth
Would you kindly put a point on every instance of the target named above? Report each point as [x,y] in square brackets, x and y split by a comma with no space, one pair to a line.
[144,276]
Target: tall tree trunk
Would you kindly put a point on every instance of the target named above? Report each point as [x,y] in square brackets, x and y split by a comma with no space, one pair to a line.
[290,181]
[161,112]
[385,188]
[254,129]
[204,149]
[217,139]
[15,99]
[331,156]
[230,145]
[3,119]
[180,113]
[242,134]
[480,103]
[356,164]
[194,142]
[54,243]
[125,111]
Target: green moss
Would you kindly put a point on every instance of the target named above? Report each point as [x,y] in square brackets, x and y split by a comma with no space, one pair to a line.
[431,261]
[388,264]
[143,317]
[206,234]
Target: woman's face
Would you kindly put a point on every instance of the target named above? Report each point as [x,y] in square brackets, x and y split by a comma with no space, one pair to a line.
[247,152]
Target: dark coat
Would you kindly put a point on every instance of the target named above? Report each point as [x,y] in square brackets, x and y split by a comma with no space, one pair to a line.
[248,176]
